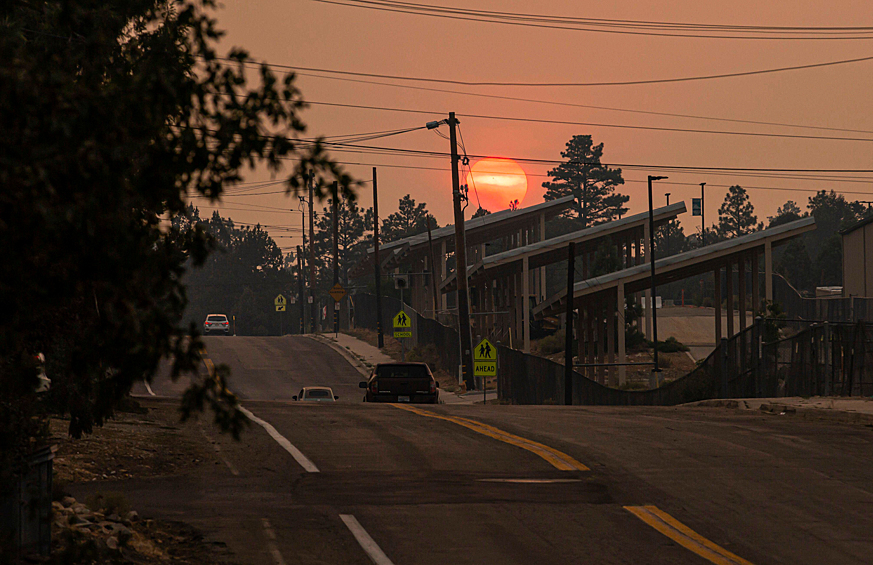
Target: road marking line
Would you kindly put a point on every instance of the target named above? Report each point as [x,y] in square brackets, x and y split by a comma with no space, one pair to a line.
[148,387]
[374,552]
[271,535]
[557,459]
[298,456]
[217,448]
[685,536]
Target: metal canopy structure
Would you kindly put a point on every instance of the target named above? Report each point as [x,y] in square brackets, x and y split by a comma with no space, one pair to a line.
[598,300]
[427,258]
[504,281]
[554,250]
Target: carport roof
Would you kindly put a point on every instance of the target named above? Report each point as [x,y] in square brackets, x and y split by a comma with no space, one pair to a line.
[677,267]
[553,250]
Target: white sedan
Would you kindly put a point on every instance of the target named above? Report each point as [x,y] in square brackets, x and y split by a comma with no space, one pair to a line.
[316,394]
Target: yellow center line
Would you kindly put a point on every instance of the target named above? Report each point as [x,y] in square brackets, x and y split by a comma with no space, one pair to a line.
[685,536]
[556,458]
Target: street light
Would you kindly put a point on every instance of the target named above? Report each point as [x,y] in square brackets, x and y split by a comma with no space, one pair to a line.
[651,305]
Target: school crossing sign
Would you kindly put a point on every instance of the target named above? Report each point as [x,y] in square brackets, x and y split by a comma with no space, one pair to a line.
[402,325]
[485,359]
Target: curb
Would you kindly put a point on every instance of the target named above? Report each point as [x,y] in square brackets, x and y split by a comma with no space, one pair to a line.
[779,409]
[353,361]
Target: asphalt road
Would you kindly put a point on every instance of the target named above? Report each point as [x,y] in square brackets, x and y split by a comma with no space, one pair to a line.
[482,484]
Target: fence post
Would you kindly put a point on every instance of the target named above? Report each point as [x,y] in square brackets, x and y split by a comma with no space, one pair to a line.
[828,359]
[723,365]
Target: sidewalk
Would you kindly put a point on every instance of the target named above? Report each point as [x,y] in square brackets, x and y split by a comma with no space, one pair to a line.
[833,408]
[364,356]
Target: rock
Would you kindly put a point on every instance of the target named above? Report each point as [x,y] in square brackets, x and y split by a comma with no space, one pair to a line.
[132,516]
[111,543]
[57,506]
[68,501]
[123,535]
[77,520]
[80,508]
[114,518]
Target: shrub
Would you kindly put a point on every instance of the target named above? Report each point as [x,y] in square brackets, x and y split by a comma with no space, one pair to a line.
[552,344]
[671,345]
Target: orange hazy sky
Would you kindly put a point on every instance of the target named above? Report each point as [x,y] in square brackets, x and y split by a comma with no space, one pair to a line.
[311,34]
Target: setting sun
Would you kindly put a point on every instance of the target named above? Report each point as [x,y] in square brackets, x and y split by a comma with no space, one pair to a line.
[497,182]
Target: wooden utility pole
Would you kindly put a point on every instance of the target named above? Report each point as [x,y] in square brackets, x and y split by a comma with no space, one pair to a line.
[335,251]
[300,283]
[434,279]
[312,314]
[377,263]
[461,262]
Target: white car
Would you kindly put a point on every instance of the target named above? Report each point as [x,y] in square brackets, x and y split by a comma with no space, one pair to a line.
[216,323]
[316,394]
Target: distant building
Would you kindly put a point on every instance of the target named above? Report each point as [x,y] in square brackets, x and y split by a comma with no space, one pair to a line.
[858,259]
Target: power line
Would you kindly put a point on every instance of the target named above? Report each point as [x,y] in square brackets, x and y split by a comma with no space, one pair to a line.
[597,124]
[583,84]
[625,27]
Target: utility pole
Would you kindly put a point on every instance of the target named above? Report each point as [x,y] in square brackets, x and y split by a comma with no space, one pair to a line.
[377,263]
[667,231]
[300,277]
[568,326]
[432,269]
[702,213]
[651,305]
[311,259]
[335,252]
[464,334]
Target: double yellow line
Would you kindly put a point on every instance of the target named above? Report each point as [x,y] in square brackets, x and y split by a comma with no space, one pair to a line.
[557,459]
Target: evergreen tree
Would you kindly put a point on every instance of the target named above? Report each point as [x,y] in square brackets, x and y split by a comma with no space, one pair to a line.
[786,213]
[828,266]
[410,219]
[795,265]
[736,216]
[481,212]
[670,239]
[592,184]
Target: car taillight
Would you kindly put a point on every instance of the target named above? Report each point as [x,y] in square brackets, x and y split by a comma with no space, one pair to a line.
[225,323]
[374,387]
[432,387]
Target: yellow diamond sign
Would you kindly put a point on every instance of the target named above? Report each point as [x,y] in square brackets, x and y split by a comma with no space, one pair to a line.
[485,359]
[280,303]
[402,325]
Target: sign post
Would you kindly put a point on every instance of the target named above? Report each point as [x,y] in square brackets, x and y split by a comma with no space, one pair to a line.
[402,329]
[280,302]
[484,362]
[337,292]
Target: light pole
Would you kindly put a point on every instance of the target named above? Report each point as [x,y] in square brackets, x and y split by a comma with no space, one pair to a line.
[656,370]
[667,231]
[702,221]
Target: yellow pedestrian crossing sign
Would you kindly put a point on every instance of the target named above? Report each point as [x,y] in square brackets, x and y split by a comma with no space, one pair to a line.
[402,325]
[485,359]
[280,303]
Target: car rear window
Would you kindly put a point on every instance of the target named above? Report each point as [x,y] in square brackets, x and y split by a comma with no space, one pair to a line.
[403,372]
[317,394]
[216,318]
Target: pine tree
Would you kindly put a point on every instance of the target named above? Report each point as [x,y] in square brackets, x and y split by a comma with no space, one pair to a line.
[591,183]
[736,216]
[410,219]
[788,212]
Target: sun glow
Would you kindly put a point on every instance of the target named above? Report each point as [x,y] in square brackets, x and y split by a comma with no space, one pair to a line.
[498,183]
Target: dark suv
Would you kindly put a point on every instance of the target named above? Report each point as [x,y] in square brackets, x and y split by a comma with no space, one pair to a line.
[401,382]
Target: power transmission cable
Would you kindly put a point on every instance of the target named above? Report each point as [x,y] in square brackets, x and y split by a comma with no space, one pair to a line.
[585,84]
[625,27]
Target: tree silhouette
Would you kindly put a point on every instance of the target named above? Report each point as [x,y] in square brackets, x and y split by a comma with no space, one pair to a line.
[736,216]
[410,219]
[588,181]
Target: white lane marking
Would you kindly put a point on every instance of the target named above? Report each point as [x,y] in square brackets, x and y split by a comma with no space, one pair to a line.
[298,456]
[271,535]
[148,387]
[217,448]
[374,552]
